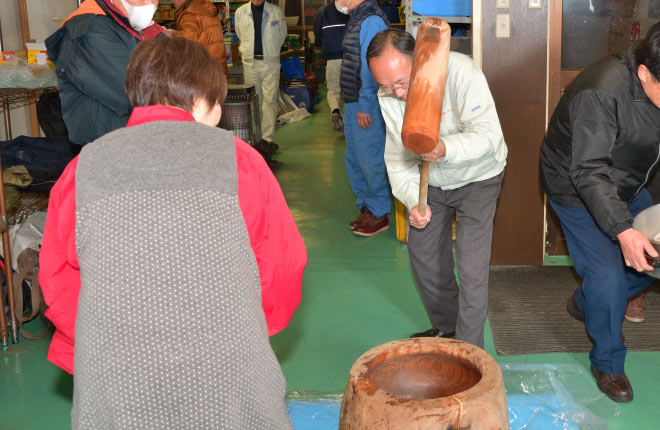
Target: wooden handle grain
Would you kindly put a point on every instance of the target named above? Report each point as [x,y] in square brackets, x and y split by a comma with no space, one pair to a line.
[423,187]
[421,121]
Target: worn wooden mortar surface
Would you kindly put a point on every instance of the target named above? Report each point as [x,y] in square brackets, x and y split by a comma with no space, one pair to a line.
[376,397]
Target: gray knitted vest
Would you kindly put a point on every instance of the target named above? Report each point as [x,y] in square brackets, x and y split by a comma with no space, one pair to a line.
[170,333]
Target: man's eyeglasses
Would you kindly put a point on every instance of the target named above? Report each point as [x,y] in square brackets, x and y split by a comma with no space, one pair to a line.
[391,89]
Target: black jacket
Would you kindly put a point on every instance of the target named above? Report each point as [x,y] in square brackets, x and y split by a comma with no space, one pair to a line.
[329,25]
[602,143]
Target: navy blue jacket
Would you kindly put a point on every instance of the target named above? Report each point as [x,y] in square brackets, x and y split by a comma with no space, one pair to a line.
[329,25]
[91,54]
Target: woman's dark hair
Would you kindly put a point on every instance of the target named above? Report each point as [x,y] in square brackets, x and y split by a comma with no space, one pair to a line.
[174,71]
[648,53]
[397,38]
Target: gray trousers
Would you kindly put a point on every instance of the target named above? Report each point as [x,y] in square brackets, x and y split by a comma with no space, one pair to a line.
[450,308]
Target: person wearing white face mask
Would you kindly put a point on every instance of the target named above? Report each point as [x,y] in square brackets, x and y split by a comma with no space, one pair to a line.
[140,16]
[91,52]
[329,26]
[261,28]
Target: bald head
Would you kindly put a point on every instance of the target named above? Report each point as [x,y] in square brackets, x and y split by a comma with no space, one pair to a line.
[390,57]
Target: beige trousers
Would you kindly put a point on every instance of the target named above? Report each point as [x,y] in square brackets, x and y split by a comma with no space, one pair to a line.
[265,77]
[332,72]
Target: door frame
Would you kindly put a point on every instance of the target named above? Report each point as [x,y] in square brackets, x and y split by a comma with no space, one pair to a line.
[558,79]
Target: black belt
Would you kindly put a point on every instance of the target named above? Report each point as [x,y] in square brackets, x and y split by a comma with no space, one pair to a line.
[258,57]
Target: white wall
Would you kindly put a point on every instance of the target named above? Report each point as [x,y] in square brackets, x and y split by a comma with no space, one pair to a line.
[45,17]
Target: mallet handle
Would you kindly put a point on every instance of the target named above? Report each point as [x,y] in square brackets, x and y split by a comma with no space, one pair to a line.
[423,187]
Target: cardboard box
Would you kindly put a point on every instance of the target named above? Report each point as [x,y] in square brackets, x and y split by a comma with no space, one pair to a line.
[235,55]
[37,54]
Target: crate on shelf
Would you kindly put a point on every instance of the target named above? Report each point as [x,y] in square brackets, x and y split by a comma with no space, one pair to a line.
[442,7]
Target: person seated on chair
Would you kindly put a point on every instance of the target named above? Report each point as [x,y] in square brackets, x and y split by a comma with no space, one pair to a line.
[170,248]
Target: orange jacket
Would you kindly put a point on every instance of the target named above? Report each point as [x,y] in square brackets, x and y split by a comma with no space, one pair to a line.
[198,20]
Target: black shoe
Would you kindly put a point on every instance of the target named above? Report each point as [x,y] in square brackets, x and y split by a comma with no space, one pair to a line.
[264,149]
[578,314]
[275,147]
[274,165]
[433,332]
[574,309]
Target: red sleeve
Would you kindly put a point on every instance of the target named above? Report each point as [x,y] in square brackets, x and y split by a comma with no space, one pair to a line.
[59,274]
[274,237]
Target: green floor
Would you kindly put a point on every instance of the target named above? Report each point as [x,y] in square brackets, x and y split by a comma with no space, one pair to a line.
[357,293]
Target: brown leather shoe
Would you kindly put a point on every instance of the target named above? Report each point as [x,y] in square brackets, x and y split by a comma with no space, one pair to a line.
[371,225]
[635,308]
[616,387]
[358,220]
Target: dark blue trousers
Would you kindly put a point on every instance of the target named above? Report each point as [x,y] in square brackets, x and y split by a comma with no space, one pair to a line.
[607,283]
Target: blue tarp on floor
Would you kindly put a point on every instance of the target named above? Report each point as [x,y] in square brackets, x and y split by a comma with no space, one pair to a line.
[539,397]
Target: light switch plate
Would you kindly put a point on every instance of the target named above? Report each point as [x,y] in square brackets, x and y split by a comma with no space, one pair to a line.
[535,4]
[502,4]
[502,26]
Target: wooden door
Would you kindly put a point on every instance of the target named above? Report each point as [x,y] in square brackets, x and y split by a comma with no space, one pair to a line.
[580,33]
[516,69]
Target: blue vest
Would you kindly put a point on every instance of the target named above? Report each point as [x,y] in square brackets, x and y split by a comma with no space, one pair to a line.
[352,62]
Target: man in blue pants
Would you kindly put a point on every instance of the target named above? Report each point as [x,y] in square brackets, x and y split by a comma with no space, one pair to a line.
[364,127]
[600,149]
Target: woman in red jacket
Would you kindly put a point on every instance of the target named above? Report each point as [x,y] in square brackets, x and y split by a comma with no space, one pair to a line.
[169,256]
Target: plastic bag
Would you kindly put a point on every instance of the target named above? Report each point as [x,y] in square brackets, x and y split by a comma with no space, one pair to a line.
[17,74]
[551,396]
[539,397]
[288,111]
[27,234]
[317,411]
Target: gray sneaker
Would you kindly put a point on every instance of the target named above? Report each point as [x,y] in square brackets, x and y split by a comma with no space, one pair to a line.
[337,123]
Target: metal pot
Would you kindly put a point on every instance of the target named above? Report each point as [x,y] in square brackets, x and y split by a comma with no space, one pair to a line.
[648,223]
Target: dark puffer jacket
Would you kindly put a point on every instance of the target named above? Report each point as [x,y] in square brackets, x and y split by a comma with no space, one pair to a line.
[602,143]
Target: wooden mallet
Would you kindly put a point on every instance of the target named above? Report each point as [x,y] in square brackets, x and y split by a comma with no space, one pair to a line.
[421,121]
